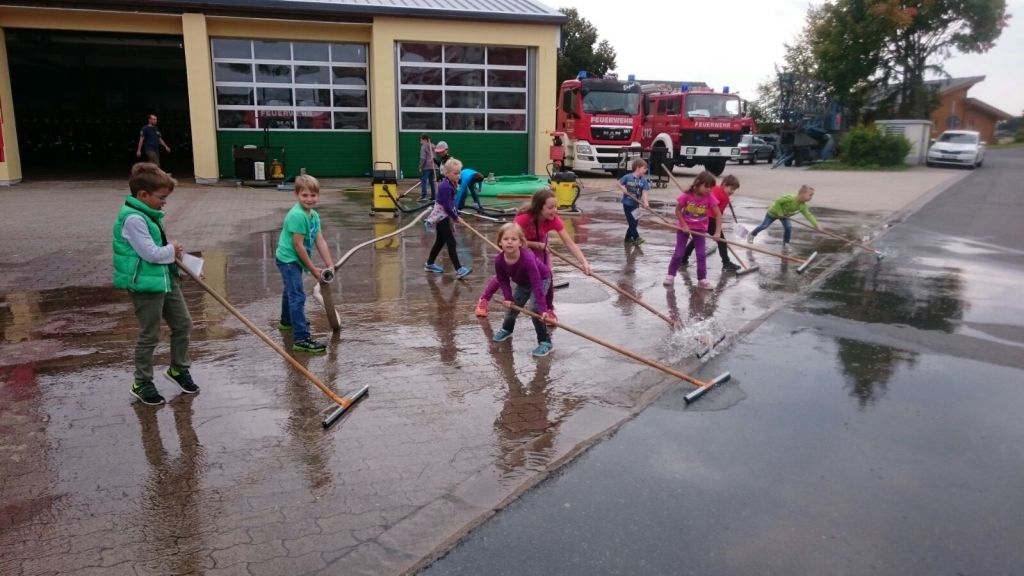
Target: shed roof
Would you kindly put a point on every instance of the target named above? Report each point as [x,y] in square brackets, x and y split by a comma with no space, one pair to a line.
[944,85]
[521,11]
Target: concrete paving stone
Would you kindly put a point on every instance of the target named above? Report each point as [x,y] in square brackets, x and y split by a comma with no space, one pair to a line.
[310,563]
[338,541]
[449,413]
[248,554]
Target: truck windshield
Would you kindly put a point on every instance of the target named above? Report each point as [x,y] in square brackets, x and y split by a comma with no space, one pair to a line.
[611,102]
[713,105]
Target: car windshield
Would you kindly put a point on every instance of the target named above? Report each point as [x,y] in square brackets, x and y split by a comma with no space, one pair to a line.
[959,138]
[595,102]
[713,105]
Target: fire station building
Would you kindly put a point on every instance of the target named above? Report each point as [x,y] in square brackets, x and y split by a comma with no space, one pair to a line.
[334,85]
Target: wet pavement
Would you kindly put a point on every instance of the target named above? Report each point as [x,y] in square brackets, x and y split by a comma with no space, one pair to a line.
[242,479]
[871,427]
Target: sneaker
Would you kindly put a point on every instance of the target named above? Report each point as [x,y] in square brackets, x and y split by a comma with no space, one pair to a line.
[704,284]
[462,272]
[750,238]
[502,335]
[283,326]
[310,346]
[730,266]
[786,249]
[481,309]
[183,379]
[147,393]
[433,268]
[669,279]
[542,349]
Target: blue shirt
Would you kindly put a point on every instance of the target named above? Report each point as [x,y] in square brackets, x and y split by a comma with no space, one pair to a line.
[465,179]
[150,138]
[635,186]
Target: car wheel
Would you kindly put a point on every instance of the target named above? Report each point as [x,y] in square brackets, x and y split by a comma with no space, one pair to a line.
[753,158]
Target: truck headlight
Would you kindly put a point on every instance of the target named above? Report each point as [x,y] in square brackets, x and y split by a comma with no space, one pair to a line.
[735,151]
[584,149]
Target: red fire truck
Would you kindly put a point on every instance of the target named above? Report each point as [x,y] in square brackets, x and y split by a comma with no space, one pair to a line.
[596,118]
[694,126]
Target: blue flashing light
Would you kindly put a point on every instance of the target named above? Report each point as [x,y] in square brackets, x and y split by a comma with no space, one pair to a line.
[581,75]
[684,87]
[632,77]
[725,89]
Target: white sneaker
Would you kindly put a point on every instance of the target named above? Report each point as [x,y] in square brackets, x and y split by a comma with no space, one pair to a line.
[705,284]
[786,249]
[668,280]
[750,238]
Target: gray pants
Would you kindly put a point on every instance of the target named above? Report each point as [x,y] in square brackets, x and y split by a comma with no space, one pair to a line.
[521,295]
[150,308]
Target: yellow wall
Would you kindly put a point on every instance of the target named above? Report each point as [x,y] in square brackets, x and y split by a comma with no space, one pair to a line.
[10,168]
[197,29]
[387,31]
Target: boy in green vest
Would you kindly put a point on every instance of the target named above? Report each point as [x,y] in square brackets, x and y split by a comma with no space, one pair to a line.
[144,265]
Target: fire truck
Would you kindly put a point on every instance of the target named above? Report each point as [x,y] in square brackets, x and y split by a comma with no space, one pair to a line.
[596,118]
[694,126]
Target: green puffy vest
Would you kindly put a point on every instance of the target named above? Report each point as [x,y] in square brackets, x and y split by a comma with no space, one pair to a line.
[130,271]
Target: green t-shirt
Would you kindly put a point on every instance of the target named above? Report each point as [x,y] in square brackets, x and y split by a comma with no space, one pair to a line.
[297,222]
[788,205]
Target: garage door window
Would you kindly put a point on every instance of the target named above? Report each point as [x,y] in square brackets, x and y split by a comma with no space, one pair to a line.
[290,85]
[462,88]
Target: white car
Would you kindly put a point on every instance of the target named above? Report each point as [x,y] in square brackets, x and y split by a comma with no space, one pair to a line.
[957,148]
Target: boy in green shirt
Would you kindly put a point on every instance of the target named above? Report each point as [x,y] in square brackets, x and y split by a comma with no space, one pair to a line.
[782,209]
[301,231]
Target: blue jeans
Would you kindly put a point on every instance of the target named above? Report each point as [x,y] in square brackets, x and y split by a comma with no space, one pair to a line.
[521,294]
[293,299]
[631,233]
[427,180]
[787,228]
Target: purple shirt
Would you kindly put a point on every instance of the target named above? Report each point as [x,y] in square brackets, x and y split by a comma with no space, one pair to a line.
[446,198]
[527,271]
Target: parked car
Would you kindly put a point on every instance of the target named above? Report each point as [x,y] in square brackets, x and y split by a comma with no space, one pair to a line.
[957,148]
[754,148]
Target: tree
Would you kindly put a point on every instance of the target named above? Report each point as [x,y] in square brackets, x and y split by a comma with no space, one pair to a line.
[578,52]
[807,91]
[879,51]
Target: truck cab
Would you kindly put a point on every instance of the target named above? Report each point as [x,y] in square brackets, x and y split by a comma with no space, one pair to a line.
[695,127]
[595,119]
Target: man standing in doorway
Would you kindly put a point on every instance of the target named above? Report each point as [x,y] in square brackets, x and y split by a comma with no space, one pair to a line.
[151,141]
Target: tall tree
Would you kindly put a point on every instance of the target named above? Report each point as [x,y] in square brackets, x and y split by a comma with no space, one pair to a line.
[581,50]
[807,91]
[881,50]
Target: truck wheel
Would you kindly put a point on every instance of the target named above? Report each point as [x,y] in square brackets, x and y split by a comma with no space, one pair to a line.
[716,167]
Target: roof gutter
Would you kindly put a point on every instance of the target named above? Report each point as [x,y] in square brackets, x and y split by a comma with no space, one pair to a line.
[292,10]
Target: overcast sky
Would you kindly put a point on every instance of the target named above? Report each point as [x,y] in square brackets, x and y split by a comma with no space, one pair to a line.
[737,43]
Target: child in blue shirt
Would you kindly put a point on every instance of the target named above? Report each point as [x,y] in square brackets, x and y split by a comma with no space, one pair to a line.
[634,187]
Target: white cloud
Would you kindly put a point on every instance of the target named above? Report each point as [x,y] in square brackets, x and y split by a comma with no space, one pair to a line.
[738,43]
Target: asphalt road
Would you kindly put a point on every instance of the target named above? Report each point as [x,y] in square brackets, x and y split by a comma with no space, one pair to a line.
[872,428]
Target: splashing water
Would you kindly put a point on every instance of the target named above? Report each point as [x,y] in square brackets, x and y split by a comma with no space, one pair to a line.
[696,337]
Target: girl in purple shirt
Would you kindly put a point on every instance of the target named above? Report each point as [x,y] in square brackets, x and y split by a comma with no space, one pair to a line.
[693,209]
[531,277]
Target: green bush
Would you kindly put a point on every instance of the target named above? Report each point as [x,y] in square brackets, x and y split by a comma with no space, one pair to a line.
[1019,136]
[868,146]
